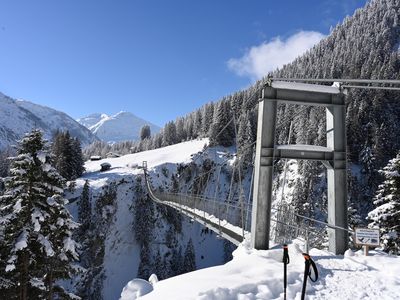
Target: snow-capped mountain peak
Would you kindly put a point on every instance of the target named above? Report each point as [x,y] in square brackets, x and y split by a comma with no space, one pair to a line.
[121,126]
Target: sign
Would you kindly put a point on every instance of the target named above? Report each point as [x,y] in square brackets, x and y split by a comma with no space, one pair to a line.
[366,236]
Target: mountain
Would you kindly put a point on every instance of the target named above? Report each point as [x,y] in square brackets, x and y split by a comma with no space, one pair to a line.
[18,117]
[122,126]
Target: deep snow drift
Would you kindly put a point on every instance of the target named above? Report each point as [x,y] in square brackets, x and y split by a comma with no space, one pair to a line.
[256,274]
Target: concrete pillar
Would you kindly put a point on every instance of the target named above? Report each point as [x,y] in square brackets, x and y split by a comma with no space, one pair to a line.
[336,177]
[264,168]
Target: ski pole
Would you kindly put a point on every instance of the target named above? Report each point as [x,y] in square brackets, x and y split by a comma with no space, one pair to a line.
[307,273]
[286,261]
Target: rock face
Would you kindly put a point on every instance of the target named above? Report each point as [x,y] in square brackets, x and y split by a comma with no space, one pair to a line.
[18,117]
[122,126]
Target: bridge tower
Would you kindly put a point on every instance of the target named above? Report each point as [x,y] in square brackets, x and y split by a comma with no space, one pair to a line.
[333,157]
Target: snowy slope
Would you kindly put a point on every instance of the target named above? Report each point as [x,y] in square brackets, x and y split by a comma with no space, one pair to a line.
[178,153]
[122,126]
[18,117]
[122,253]
[256,274]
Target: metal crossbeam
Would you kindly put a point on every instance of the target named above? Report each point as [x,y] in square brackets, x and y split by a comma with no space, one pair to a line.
[333,156]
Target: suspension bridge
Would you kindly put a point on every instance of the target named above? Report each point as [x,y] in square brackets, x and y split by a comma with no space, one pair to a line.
[237,219]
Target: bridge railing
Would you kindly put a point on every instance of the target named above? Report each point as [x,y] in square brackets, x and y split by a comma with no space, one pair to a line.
[288,224]
[226,212]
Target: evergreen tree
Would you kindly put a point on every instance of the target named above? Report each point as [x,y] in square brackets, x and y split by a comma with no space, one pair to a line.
[208,114]
[5,162]
[244,139]
[169,134]
[175,264]
[85,209]
[386,214]
[222,130]
[143,214]
[77,159]
[145,132]
[68,157]
[197,126]
[145,266]
[189,259]
[37,247]
[160,266]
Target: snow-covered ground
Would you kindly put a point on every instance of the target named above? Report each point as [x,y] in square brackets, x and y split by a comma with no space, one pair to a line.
[256,274]
[179,153]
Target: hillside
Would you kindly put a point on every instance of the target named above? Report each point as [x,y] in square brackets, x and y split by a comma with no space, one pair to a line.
[18,117]
[123,126]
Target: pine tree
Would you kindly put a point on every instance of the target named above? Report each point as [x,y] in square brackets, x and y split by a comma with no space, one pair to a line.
[37,247]
[143,214]
[68,157]
[222,130]
[244,139]
[85,209]
[175,264]
[145,132]
[145,266]
[189,260]
[208,113]
[386,215]
[160,266]
[169,134]
[77,159]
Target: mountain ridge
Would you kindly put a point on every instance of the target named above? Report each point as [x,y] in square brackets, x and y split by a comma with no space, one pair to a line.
[18,117]
[119,127]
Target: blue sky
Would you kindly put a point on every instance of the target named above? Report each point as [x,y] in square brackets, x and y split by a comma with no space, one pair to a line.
[158,59]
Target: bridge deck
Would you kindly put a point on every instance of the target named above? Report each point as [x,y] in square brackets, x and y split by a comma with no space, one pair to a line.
[222,227]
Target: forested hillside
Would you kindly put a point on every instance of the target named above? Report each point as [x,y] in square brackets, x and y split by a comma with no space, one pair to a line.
[365,45]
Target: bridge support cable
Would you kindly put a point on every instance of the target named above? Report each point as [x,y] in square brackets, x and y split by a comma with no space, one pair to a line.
[189,206]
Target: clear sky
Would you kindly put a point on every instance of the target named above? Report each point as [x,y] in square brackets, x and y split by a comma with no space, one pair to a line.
[157,59]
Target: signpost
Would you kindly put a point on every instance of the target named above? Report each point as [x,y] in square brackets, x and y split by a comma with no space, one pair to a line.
[366,237]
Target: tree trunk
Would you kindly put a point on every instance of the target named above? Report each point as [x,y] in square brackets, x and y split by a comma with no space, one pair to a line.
[24,277]
[50,283]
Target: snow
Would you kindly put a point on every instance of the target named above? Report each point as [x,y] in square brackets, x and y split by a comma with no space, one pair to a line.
[305,87]
[17,206]
[37,216]
[136,288]
[21,241]
[179,153]
[46,244]
[19,117]
[255,274]
[69,246]
[42,155]
[119,127]
[304,148]
[37,283]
